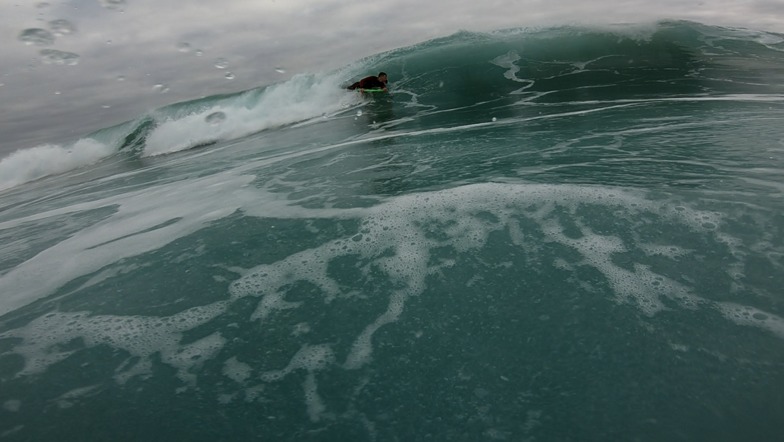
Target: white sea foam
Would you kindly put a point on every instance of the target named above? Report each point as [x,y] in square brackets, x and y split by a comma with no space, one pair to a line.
[237,371]
[313,402]
[141,337]
[301,98]
[67,399]
[27,165]
[309,357]
[669,251]
[144,221]
[12,405]
[753,317]
[394,238]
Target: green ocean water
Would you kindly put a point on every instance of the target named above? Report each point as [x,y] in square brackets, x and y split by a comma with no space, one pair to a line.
[563,234]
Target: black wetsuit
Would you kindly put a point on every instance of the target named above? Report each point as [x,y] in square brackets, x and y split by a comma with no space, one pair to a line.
[371,82]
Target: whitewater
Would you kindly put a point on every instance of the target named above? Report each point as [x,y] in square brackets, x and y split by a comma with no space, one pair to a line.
[565,233]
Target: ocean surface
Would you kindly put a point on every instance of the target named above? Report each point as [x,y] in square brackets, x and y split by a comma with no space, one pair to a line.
[558,234]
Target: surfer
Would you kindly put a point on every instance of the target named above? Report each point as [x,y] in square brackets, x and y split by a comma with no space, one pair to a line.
[372,82]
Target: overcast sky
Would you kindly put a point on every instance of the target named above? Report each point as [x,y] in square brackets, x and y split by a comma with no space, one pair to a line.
[136,55]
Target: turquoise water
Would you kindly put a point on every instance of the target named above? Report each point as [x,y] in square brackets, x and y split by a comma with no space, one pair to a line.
[559,234]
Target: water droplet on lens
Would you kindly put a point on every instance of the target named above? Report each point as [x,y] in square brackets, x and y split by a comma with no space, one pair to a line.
[53,56]
[112,4]
[161,88]
[221,63]
[215,118]
[121,78]
[36,36]
[229,76]
[280,70]
[199,52]
[62,27]
[184,47]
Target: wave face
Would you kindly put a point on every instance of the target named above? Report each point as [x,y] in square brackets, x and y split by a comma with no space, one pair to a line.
[670,60]
[550,234]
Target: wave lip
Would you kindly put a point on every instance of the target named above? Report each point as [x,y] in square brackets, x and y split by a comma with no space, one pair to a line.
[186,125]
[301,98]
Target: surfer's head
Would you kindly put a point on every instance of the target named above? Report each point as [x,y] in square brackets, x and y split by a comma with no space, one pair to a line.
[382,76]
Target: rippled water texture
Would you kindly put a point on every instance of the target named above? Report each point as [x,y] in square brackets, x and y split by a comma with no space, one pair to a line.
[565,234]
